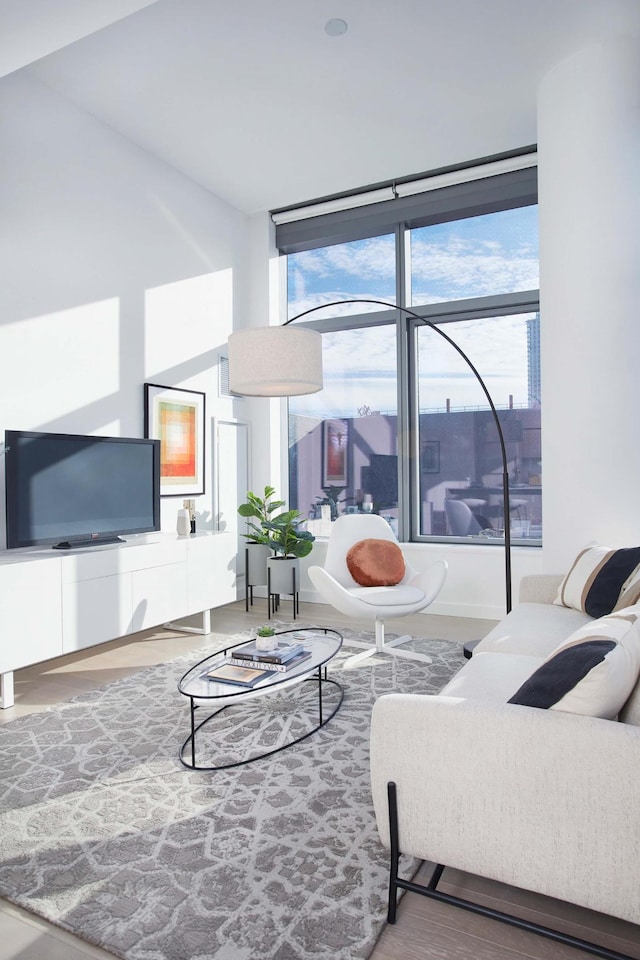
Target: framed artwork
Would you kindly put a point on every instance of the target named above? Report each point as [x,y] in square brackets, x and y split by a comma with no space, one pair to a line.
[431,456]
[175,417]
[335,436]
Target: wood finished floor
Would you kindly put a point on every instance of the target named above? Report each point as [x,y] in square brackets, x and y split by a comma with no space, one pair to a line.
[425,930]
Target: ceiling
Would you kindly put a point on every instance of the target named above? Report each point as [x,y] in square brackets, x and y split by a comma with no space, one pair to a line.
[255,102]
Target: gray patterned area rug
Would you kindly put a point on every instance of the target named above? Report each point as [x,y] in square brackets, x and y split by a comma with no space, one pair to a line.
[104,833]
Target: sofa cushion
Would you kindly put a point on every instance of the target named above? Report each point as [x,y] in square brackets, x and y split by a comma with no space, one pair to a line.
[612,627]
[592,673]
[376,563]
[601,579]
[533,629]
[491,676]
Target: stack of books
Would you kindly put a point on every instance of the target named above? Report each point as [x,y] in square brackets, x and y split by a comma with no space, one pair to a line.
[282,658]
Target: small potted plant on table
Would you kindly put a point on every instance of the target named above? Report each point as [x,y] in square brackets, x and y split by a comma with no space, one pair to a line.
[266,639]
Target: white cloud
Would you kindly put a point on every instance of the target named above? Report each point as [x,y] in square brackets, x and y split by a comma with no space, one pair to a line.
[456,269]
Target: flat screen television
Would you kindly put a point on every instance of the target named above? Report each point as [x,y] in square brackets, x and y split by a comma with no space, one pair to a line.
[69,490]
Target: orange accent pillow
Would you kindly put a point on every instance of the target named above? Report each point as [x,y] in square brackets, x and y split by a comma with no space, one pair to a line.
[376,563]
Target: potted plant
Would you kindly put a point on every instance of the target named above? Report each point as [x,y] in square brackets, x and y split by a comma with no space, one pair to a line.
[289,543]
[257,511]
[265,638]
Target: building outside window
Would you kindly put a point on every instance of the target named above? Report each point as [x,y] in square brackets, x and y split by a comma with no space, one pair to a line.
[402,426]
[459,458]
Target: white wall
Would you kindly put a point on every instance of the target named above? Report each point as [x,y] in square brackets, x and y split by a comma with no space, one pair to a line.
[116,270]
[589,169]
[268,419]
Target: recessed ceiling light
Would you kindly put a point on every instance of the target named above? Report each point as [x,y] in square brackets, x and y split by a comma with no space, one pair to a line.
[336,27]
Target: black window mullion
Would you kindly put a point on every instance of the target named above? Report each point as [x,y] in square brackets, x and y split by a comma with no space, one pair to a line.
[402,432]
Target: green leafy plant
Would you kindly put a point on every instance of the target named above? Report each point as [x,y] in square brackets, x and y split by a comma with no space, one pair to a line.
[286,539]
[262,509]
[266,632]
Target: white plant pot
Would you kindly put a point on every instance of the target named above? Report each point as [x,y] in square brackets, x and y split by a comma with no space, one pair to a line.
[265,644]
[281,574]
[256,560]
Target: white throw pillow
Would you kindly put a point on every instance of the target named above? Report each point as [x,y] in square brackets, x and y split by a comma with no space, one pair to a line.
[593,672]
[601,579]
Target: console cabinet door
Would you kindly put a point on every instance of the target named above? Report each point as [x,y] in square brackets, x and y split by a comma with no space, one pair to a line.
[30,613]
[56,605]
[211,562]
[159,594]
[97,610]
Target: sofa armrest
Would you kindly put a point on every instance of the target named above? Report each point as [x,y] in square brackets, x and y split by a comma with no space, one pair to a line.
[539,587]
[538,799]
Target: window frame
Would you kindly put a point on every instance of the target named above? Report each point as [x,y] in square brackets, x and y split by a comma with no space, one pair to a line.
[502,305]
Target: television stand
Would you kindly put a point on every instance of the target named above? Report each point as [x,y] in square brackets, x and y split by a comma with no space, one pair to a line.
[87,597]
[88,542]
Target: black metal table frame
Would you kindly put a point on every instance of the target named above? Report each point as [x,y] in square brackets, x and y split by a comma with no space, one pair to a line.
[319,675]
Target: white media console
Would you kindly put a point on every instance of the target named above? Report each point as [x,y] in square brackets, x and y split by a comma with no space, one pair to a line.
[54,602]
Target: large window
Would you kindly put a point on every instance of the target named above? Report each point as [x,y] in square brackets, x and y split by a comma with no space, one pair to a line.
[402,426]
[459,462]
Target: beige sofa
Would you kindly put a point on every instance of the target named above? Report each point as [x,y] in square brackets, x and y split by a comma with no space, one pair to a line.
[538,798]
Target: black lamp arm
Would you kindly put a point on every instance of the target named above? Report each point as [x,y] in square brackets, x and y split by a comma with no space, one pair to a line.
[474,370]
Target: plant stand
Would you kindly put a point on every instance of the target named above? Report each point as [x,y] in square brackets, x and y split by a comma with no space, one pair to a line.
[283,577]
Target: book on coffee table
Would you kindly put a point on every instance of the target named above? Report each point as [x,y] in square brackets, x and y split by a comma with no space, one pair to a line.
[238,676]
[278,667]
[281,653]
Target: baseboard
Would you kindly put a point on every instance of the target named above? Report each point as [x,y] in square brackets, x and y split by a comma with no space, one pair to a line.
[437,608]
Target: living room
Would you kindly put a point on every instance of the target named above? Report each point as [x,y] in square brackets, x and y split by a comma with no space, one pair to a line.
[145,144]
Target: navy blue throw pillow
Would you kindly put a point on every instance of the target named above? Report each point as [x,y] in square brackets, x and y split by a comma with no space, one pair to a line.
[557,676]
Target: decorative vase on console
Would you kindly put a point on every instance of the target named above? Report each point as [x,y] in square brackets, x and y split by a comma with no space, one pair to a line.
[183,522]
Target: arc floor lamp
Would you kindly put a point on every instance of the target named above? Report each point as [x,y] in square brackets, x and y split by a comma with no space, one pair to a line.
[286,361]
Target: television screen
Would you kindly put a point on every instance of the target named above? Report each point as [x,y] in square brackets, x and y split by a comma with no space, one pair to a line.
[67,490]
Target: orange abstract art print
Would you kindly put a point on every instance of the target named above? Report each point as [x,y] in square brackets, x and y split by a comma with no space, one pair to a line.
[175,417]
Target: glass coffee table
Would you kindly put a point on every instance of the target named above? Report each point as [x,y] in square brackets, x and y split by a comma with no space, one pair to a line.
[215,697]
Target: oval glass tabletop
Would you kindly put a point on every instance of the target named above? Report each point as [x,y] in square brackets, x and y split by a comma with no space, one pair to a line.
[203,680]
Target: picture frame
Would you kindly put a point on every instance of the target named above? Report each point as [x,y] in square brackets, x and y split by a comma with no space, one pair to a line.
[431,456]
[176,417]
[335,443]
